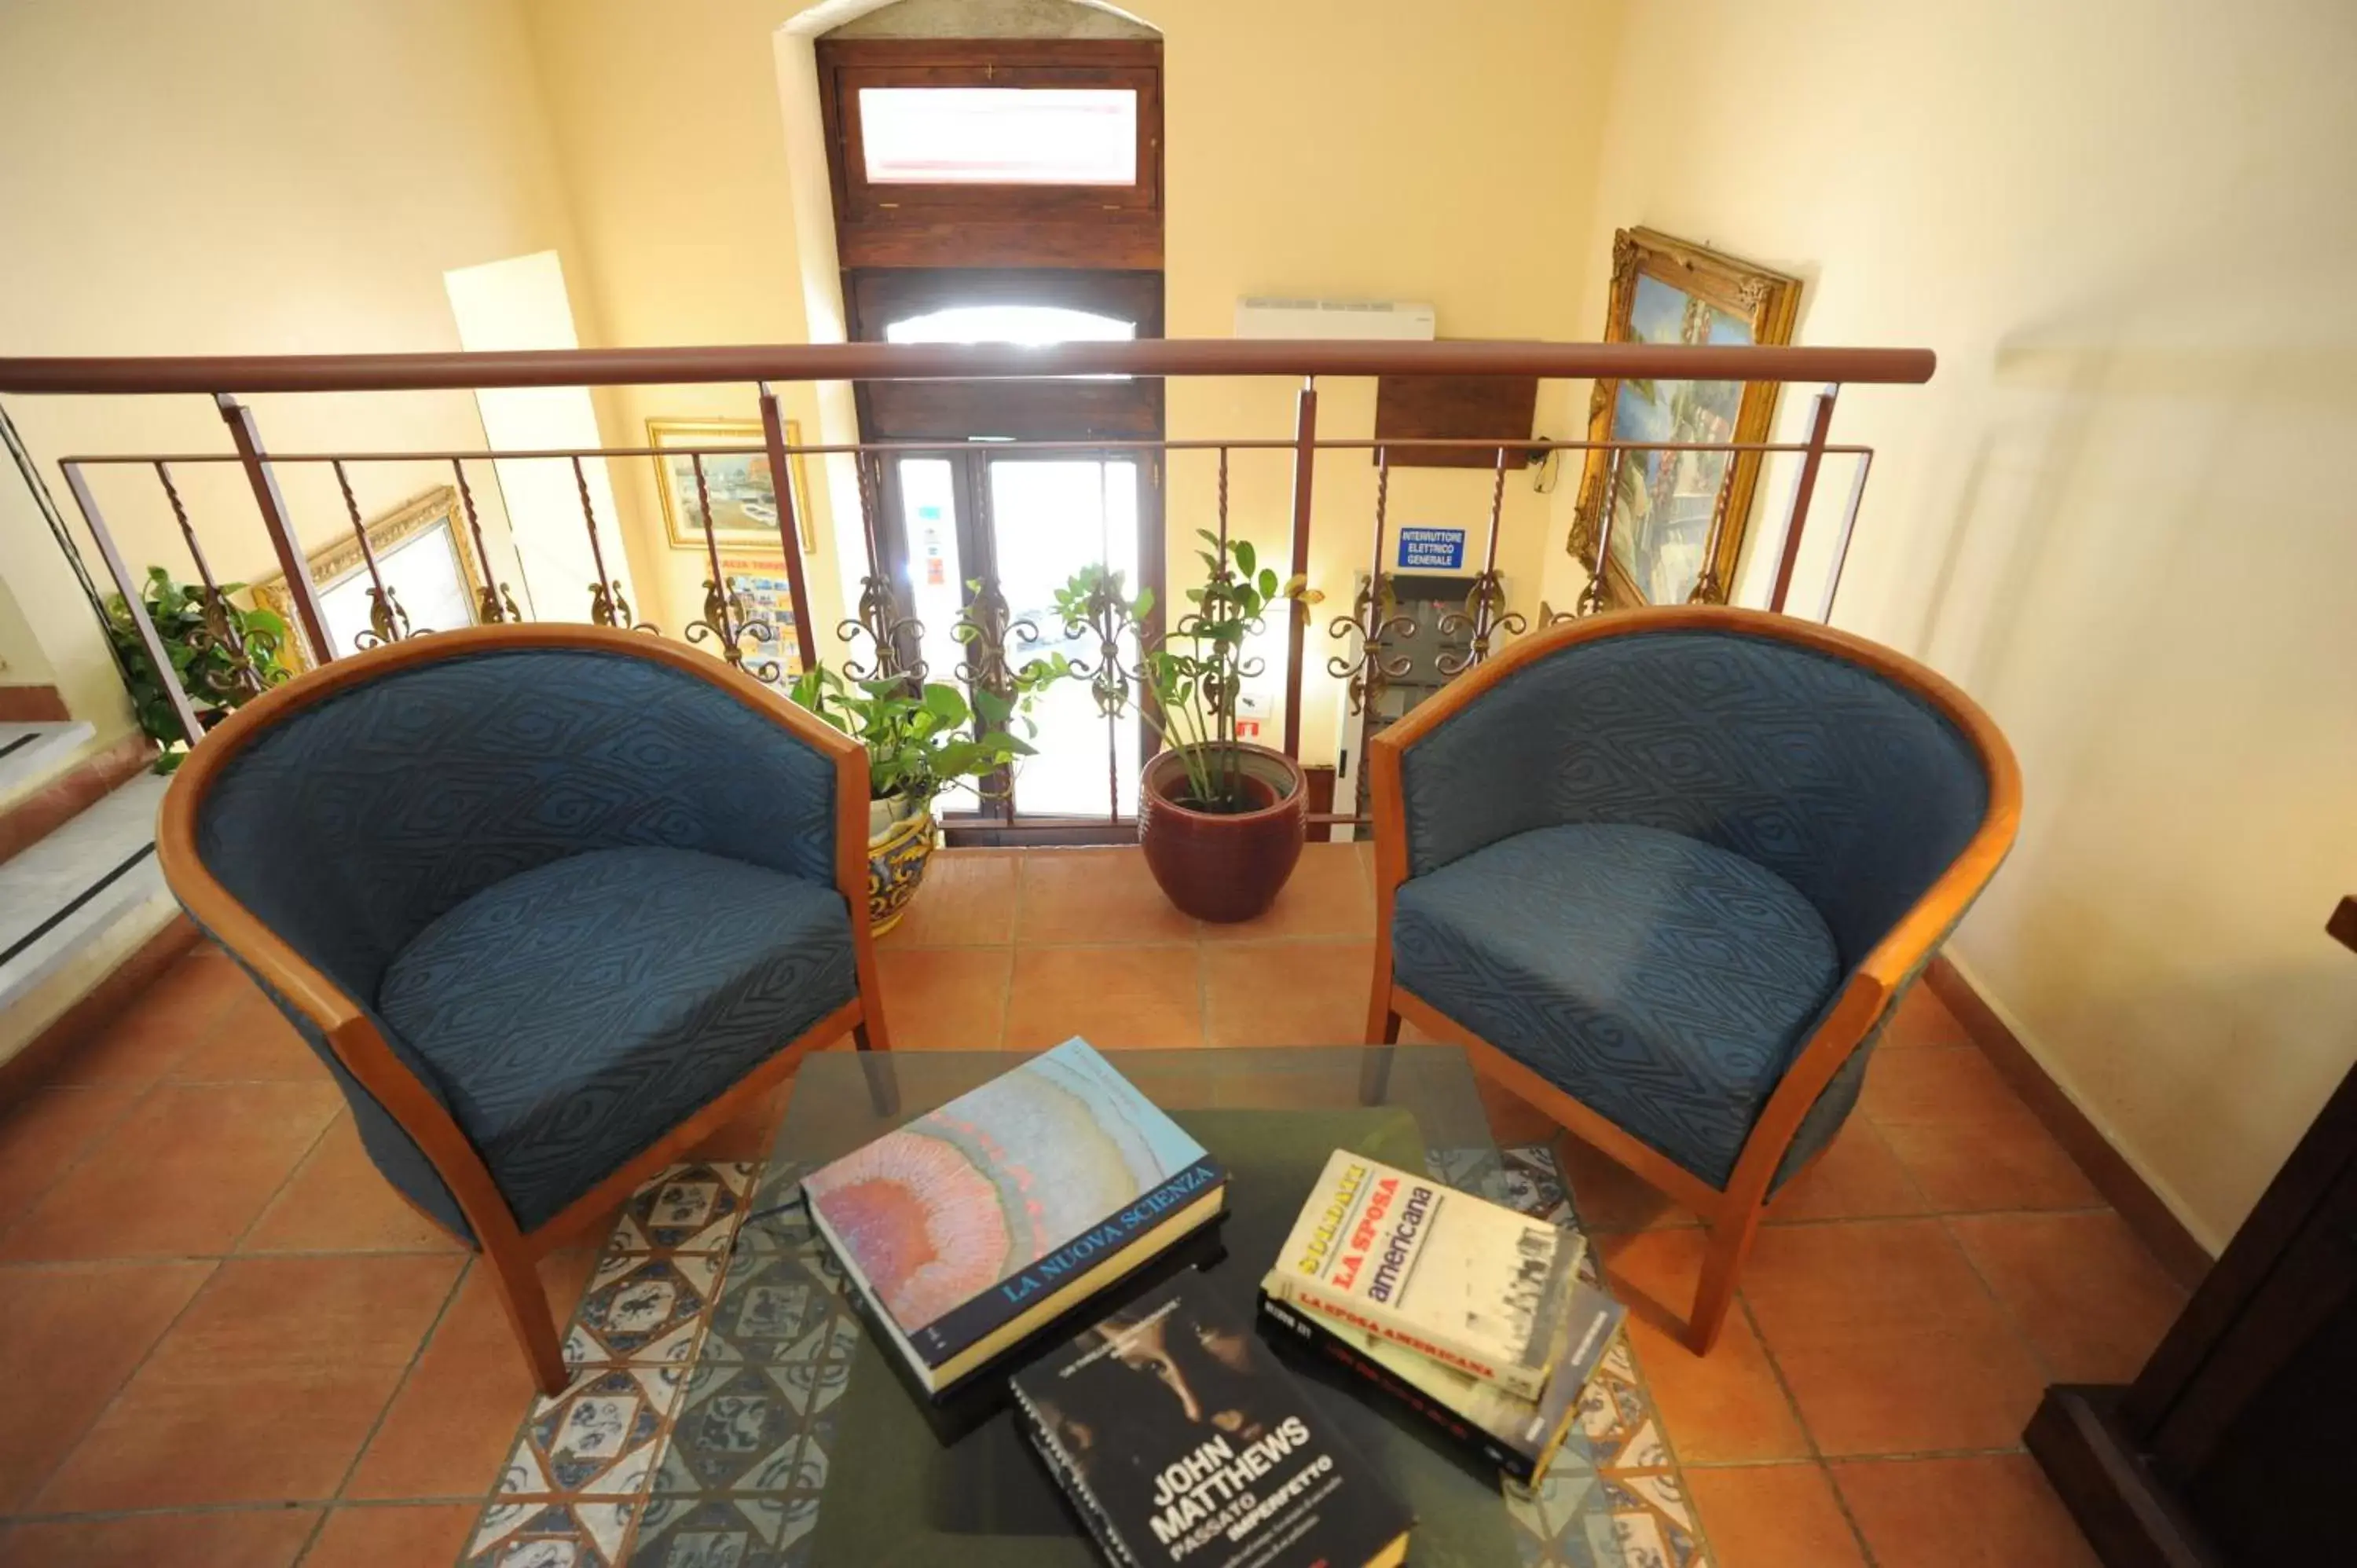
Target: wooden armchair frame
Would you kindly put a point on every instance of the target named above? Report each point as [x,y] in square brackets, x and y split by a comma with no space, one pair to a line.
[362,1050]
[1732,1214]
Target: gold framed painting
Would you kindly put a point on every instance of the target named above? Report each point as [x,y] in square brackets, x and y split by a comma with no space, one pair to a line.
[430,573]
[744,498]
[1678,519]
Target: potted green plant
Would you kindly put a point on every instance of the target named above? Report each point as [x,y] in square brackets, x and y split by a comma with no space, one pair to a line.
[1222,821]
[921,739]
[222,655]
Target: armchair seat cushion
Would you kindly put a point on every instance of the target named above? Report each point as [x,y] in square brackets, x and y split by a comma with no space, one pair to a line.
[574,1013]
[1664,983]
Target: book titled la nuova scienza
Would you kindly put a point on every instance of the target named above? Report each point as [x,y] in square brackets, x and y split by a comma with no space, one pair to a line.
[986,1219]
[1181,1440]
[1470,1284]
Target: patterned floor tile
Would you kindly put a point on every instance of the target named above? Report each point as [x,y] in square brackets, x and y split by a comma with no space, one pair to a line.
[770,1530]
[542,1534]
[688,1208]
[598,1438]
[644,1308]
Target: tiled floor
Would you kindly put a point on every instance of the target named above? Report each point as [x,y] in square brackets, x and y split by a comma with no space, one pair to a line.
[230,1345]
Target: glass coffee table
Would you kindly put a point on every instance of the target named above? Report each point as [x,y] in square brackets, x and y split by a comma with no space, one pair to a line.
[799,1443]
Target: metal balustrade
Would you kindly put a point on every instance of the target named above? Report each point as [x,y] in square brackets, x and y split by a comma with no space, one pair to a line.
[880,636]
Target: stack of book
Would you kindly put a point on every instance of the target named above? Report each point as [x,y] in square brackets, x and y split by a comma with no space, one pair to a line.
[1464,1311]
[980,1223]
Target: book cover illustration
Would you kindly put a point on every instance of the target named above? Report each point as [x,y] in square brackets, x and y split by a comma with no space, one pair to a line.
[970,1214]
[1180,1438]
[1469,1282]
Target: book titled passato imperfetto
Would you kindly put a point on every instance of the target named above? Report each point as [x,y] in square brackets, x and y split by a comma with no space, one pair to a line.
[1179,1439]
[1470,1284]
[984,1219]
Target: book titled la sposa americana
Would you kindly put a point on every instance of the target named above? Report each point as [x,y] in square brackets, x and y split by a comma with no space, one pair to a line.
[1470,1284]
[984,1219]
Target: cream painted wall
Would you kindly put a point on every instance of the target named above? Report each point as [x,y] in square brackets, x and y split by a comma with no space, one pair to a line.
[235,177]
[1345,150]
[2117,516]
[676,161]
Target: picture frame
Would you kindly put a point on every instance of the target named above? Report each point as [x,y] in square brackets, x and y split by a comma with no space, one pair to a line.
[1679,520]
[431,572]
[738,484]
[759,590]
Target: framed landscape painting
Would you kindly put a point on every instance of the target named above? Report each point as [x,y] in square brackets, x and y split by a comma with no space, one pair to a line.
[744,496]
[1678,519]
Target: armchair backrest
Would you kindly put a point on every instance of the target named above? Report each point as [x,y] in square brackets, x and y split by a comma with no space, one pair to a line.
[347,824]
[1835,773]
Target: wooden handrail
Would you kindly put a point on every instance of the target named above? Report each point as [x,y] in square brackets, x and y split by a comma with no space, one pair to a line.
[243,374]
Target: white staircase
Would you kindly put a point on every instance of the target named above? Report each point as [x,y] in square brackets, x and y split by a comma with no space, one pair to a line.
[81,900]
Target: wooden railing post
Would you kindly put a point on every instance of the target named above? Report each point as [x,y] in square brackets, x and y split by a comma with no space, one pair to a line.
[257,463]
[1803,487]
[773,434]
[127,585]
[1305,460]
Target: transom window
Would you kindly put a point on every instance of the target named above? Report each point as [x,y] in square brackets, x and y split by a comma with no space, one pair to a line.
[999,135]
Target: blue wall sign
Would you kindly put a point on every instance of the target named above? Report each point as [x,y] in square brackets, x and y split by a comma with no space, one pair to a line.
[1432,549]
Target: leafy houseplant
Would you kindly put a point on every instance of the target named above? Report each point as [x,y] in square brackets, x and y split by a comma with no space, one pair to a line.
[222,655]
[921,739]
[1222,821]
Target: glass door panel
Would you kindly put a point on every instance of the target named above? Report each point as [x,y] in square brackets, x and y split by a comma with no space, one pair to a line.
[933,575]
[1048,518]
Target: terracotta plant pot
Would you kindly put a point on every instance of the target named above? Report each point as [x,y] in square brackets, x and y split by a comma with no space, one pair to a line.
[1223,865]
[900,844]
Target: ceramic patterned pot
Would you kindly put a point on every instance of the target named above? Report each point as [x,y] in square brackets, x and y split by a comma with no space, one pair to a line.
[899,844]
[1224,866]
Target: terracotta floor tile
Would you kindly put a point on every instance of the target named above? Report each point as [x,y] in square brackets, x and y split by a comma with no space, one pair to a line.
[1287,993]
[2083,1289]
[1942,1083]
[1772,1516]
[1962,1168]
[967,900]
[1856,1177]
[41,1138]
[264,1391]
[1992,1512]
[455,1418]
[1327,895]
[944,999]
[1610,1197]
[1654,1272]
[1964,1138]
[1923,1020]
[149,1037]
[1888,1340]
[251,1538]
[75,1336]
[1136,997]
[184,1174]
[1069,895]
[337,1202]
[1723,1408]
[421,1535]
[249,1040]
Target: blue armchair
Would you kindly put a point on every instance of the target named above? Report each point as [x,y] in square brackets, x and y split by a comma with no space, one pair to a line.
[551,903]
[1665,875]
